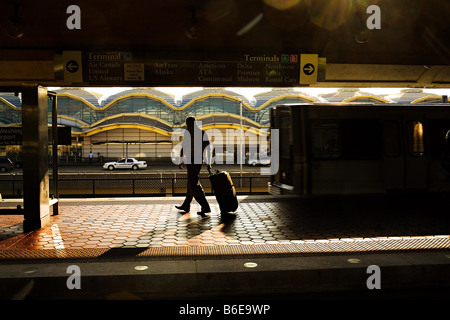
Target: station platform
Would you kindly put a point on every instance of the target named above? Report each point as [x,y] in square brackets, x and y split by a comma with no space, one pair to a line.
[274,247]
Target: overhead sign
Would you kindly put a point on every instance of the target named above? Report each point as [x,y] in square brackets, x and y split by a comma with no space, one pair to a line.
[122,68]
[13,136]
[308,68]
[10,136]
[134,71]
[118,68]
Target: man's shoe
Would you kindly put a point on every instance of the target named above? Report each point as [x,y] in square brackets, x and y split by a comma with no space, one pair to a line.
[204,212]
[183,208]
[227,216]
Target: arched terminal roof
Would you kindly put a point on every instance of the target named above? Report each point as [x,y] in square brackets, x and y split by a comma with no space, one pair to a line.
[352,95]
[151,92]
[191,97]
[410,95]
[91,98]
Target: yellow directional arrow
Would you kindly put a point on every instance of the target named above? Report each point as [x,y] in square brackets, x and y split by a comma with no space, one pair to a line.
[73,72]
[308,68]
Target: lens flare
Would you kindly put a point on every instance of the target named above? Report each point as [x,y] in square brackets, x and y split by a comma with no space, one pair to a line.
[286,14]
[281,4]
[331,15]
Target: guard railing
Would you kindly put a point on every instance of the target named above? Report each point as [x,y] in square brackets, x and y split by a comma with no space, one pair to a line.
[133,186]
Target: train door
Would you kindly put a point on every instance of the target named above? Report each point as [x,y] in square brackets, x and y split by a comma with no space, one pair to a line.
[393,160]
[404,158]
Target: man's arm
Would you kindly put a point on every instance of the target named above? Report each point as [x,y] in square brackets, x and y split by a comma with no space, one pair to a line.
[180,165]
[207,151]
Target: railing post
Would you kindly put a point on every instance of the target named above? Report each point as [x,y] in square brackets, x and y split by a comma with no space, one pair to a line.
[173,186]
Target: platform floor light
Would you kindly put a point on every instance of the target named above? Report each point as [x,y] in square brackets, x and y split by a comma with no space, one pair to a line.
[140,268]
[250,264]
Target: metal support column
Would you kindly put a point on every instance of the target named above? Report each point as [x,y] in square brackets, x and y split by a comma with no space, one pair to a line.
[55,174]
[35,157]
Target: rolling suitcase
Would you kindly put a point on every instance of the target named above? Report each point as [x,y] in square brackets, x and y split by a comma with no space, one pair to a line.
[224,191]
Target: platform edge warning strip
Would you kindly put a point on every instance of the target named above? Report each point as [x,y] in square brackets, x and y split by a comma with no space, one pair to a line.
[224,252]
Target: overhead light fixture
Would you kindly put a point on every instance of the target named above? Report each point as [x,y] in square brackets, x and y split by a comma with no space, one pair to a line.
[14,30]
[250,25]
[193,26]
[362,36]
[359,27]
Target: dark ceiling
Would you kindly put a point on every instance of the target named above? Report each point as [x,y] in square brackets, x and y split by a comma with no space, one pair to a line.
[413,32]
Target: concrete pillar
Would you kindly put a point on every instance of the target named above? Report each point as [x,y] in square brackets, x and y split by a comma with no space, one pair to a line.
[35,157]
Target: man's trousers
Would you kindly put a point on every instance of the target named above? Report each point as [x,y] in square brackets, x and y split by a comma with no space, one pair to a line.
[194,188]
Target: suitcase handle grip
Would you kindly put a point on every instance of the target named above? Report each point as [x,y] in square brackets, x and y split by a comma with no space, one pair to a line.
[209,170]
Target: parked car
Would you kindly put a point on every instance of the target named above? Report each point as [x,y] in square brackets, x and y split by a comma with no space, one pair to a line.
[125,163]
[6,164]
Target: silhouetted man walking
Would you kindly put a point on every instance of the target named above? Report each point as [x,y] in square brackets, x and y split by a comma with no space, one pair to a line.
[195,150]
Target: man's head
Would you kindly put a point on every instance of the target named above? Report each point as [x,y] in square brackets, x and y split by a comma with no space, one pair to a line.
[190,122]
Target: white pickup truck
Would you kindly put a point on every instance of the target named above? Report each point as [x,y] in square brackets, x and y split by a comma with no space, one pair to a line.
[125,163]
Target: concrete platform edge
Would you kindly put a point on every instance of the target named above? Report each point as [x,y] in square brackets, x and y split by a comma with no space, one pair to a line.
[305,277]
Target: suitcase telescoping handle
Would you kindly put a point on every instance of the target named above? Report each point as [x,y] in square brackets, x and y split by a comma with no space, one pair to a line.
[212,173]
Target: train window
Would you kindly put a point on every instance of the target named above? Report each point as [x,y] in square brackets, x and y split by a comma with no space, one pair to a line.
[415,133]
[391,138]
[326,141]
[361,139]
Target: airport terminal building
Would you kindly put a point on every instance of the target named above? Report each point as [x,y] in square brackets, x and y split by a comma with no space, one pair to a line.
[145,123]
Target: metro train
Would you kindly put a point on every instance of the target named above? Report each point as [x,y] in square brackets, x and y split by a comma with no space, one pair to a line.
[361,149]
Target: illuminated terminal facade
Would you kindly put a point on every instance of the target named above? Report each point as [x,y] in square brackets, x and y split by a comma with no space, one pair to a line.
[143,122]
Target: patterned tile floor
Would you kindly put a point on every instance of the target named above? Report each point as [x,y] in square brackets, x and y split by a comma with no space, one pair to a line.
[154,222]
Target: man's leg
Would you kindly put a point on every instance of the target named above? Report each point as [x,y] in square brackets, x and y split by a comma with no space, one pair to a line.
[196,188]
[186,206]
